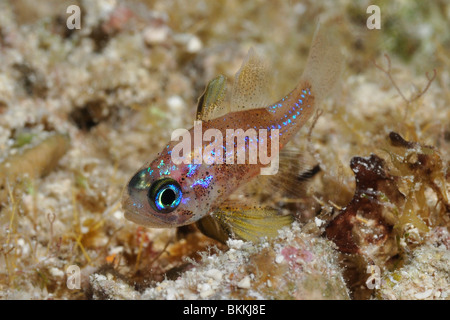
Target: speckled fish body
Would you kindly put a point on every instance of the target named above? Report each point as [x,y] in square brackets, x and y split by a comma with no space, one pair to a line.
[204,186]
[164,193]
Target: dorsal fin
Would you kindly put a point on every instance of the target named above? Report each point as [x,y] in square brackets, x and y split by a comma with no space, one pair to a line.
[210,103]
[252,84]
[325,61]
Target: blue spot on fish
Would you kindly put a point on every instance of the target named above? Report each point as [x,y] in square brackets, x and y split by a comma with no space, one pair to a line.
[203,182]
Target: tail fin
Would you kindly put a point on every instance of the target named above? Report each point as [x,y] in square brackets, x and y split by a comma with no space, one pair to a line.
[325,61]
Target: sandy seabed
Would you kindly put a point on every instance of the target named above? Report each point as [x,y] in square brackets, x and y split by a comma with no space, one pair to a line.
[81,110]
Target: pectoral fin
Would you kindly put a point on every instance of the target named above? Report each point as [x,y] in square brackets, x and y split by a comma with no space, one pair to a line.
[249,224]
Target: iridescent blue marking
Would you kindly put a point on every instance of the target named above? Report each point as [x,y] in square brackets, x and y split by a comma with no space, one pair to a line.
[165,172]
[203,182]
[192,169]
[138,205]
[275,106]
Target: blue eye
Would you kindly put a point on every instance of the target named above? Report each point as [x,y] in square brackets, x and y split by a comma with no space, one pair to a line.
[164,195]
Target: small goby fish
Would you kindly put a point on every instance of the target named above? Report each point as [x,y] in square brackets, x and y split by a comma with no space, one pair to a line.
[164,193]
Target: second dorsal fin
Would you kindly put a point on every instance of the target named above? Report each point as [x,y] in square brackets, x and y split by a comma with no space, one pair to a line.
[252,84]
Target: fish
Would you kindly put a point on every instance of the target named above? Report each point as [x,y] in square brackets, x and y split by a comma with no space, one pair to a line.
[174,190]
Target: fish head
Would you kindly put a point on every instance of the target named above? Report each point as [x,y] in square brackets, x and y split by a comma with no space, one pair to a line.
[162,194]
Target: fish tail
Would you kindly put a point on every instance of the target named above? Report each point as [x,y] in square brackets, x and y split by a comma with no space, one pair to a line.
[325,61]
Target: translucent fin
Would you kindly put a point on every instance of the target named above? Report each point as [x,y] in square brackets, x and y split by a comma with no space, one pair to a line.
[252,84]
[325,60]
[250,223]
[212,228]
[296,167]
[210,104]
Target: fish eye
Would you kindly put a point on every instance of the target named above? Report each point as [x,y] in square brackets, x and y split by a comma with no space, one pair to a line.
[164,195]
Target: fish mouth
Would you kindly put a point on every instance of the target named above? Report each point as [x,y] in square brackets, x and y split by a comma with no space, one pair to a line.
[132,211]
[146,220]
[141,214]
[138,219]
